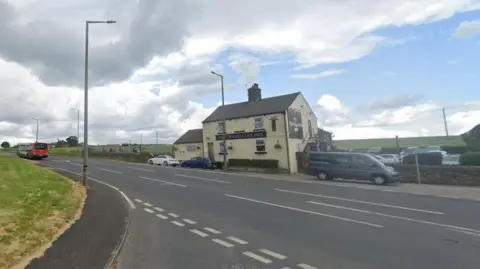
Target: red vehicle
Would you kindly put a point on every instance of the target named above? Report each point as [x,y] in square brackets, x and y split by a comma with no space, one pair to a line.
[35,150]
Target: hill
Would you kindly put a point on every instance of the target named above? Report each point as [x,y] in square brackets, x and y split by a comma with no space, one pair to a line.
[453,141]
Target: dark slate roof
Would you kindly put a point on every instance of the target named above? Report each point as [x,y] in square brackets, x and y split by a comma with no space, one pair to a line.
[265,106]
[191,136]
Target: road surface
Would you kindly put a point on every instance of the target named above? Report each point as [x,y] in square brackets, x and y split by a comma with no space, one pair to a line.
[188,218]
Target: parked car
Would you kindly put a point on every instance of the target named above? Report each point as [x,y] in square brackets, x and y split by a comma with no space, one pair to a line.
[407,151]
[390,158]
[198,162]
[163,160]
[374,150]
[453,159]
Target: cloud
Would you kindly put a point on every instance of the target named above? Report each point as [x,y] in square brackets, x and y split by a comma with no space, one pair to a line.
[392,102]
[467,29]
[322,74]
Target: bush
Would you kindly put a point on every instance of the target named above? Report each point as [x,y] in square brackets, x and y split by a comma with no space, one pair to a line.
[424,158]
[256,163]
[470,158]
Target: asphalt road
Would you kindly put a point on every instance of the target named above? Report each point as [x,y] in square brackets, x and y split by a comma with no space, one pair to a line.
[187,218]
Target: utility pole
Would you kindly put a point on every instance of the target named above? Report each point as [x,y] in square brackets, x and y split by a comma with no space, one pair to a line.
[224,124]
[156,133]
[445,122]
[141,142]
[36,135]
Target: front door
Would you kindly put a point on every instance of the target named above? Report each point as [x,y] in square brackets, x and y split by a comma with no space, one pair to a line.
[210,151]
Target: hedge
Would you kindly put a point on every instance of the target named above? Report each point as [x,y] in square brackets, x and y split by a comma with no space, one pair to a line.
[424,158]
[470,158]
[256,163]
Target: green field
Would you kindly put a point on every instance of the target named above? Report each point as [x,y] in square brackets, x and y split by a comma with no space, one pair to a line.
[455,141]
[36,204]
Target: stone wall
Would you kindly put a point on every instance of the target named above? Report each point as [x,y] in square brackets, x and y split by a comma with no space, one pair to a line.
[440,174]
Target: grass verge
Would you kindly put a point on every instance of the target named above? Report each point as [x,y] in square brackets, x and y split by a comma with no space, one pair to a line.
[36,206]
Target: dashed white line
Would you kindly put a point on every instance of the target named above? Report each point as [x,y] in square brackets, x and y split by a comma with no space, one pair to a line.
[189,221]
[238,240]
[178,223]
[158,209]
[111,171]
[162,181]
[148,210]
[138,200]
[162,216]
[307,211]
[273,254]
[147,204]
[306,266]
[202,178]
[213,231]
[200,233]
[173,215]
[132,205]
[285,268]
[256,257]
[223,243]
[141,169]
[361,202]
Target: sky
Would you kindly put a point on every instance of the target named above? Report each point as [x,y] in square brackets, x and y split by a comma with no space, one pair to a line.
[368,68]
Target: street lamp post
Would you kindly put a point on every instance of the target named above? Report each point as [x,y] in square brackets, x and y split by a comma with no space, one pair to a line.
[224,123]
[78,124]
[36,136]
[85,120]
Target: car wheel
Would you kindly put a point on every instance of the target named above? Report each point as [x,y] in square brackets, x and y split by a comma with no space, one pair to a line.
[379,180]
[322,175]
[150,162]
[165,163]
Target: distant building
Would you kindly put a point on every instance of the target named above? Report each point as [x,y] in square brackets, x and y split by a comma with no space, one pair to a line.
[189,145]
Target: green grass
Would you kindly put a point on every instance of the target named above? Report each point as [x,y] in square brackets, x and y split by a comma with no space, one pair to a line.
[455,141]
[36,204]
[72,151]
[8,150]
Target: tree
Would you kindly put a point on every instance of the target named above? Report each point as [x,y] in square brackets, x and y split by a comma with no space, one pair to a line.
[472,138]
[61,144]
[5,145]
[72,141]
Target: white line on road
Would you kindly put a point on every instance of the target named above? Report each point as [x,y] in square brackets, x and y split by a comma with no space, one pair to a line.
[138,200]
[256,257]
[162,181]
[213,231]
[306,266]
[223,243]
[141,169]
[147,204]
[273,254]
[173,215]
[362,202]
[189,221]
[465,232]
[158,209]
[202,178]
[77,164]
[307,211]
[238,240]
[162,216]
[178,223]
[111,171]
[396,217]
[132,205]
[200,233]
[148,210]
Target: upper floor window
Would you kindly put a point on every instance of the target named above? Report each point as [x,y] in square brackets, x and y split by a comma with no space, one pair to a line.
[258,123]
[220,127]
[222,147]
[274,125]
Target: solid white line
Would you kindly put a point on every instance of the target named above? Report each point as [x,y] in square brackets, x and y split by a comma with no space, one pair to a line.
[197,232]
[256,257]
[285,268]
[189,221]
[173,215]
[465,232]
[396,217]
[162,181]
[111,171]
[362,202]
[202,178]
[132,205]
[158,209]
[306,211]
[178,223]
[141,169]
[238,240]
[223,243]
[162,216]
[147,204]
[273,254]
[306,266]
[148,210]
[213,231]
[138,200]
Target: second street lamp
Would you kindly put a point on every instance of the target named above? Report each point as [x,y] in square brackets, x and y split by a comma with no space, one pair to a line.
[224,123]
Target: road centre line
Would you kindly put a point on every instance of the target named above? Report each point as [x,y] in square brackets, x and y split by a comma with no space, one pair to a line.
[223,243]
[148,210]
[306,211]
[465,232]
[256,257]
[397,217]
[213,231]
[141,169]
[202,178]
[162,216]
[111,171]
[158,209]
[361,202]
[200,233]
[273,254]
[178,223]
[147,204]
[237,240]
[162,181]
[306,266]
[173,215]
[189,221]
[138,200]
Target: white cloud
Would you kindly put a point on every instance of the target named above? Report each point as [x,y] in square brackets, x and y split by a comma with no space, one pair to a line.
[327,73]
[467,29]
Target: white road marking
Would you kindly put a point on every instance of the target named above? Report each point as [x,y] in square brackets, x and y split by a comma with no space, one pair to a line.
[202,178]
[465,232]
[362,202]
[189,221]
[132,205]
[111,171]
[256,257]
[148,210]
[158,209]
[173,215]
[273,254]
[147,204]
[238,240]
[138,200]
[213,231]
[397,217]
[306,266]
[285,268]
[178,223]
[77,164]
[307,211]
[141,169]
[200,233]
[162,181]
[162,216]
[223,243]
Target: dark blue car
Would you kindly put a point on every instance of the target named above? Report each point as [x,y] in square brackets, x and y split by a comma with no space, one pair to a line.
[198,162]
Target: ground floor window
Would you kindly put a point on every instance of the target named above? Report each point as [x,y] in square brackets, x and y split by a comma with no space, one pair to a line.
[260,145]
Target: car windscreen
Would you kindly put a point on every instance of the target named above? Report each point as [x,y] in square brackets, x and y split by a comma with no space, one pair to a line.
[41,146]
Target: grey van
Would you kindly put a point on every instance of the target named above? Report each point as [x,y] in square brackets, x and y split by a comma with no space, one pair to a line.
[347,165]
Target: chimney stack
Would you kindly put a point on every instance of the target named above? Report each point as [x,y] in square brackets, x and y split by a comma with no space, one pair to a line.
[254,93]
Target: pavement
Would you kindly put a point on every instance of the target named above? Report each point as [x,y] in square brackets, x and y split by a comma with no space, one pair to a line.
[189,218]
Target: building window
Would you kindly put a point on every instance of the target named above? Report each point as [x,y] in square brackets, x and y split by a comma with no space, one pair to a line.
[222,147]
[258,123]
[221,127]
[260,144]
[274,125]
